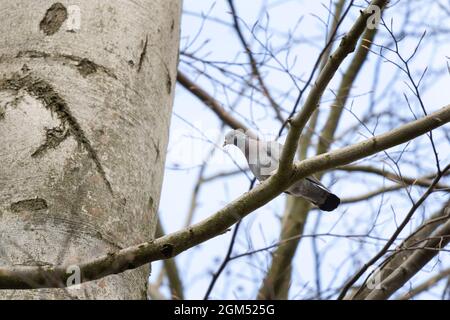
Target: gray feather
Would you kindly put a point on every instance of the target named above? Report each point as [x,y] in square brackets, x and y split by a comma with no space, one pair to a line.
[263,158]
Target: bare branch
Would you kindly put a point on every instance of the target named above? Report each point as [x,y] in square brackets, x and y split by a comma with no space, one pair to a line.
[386,247]
[346,46]
[423,181]
[413,264]
[20,277]
[254,64]
[427,284]
[212,103]
[398,256]
[171,270]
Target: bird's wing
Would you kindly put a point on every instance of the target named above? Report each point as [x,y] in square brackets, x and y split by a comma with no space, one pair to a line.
[317,182]
[274,150]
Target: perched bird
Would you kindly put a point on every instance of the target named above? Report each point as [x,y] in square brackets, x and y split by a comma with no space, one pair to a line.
[263,158]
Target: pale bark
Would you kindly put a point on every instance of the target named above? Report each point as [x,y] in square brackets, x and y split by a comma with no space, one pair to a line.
[413,264]
[426,285]
[172,244]
[84,119]
[276,282]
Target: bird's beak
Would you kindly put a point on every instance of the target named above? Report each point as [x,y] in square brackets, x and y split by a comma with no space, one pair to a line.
[224,144]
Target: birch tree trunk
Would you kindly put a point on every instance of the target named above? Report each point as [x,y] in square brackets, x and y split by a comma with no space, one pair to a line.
[86,89]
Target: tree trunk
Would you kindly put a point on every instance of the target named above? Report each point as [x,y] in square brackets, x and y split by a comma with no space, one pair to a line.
[85,101]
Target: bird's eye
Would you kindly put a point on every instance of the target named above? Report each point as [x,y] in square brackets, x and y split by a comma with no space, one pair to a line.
[235,141]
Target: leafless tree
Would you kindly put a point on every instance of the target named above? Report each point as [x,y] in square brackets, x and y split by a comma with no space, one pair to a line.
[348,88]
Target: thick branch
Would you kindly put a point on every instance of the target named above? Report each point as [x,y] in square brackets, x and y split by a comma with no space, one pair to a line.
[413,264]
[171,269]
[274,285]
[305,137]
[277,280]
[346,46]
[372,145]
[394,236]
[329,130]
[22,277]
[399,255]
[423,181]
[212,103]
[427,284]
[254,64]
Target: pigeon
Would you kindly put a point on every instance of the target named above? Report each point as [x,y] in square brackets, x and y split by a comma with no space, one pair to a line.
[263,158]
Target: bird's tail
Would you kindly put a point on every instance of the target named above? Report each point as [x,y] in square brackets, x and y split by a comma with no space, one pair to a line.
[331,202]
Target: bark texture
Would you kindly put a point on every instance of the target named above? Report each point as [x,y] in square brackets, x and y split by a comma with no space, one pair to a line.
[84,120]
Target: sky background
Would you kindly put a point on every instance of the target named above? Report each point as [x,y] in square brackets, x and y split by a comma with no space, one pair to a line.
[195,130]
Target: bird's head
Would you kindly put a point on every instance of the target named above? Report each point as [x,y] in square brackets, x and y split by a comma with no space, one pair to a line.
[233,137]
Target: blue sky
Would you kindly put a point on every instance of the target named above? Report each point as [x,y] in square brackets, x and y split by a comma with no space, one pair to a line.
[195,130]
